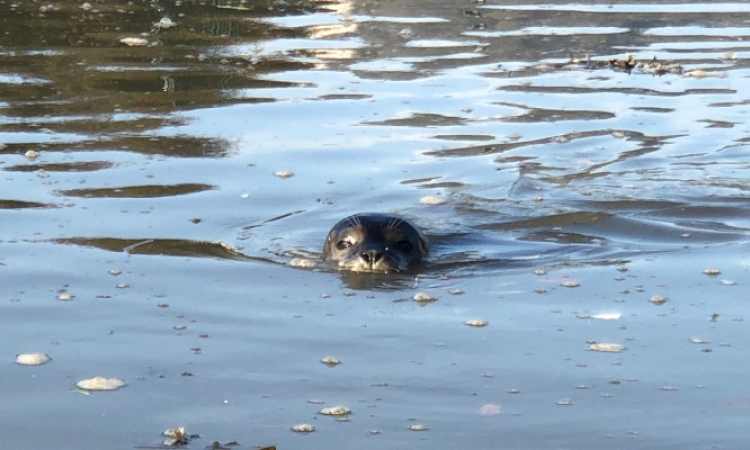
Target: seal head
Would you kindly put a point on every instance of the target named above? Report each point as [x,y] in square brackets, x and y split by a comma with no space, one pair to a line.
[373,242]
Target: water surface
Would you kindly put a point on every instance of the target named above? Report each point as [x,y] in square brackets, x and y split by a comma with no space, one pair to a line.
[575,183]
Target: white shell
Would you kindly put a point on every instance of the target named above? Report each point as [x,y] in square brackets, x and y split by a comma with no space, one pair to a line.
[32,359]
[101,384]
[335,411]
[607,347]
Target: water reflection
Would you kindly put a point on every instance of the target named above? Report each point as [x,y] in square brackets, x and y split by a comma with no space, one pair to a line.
[521,117]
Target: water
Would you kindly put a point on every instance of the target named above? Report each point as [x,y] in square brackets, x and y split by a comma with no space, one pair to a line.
[557,166]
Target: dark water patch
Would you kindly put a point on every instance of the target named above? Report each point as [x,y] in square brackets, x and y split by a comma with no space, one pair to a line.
[464,137]
[534,115]
[151,82]
[421,120]
[630,91]
[556,220]
[719,123]
[502,147]
[344,97]
[173,146]
[729,104]
[148,191]
[22,204]
[90,166]
[653,109]
[163,247]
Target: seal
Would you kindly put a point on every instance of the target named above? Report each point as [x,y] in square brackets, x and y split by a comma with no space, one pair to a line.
[374,242]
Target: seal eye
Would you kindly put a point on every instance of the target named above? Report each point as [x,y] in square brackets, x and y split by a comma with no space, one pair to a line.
[404,246]
[343,245]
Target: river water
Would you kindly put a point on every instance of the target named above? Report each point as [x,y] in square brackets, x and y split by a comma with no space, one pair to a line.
[581,170]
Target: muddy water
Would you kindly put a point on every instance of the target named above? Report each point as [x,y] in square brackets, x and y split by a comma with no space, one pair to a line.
[576,185]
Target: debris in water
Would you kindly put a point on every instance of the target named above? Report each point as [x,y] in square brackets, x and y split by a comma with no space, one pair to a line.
[711,272]
[132,41]
[565,402]
[704,74]
[165,22]
[431,200]
[478,323]
[339,410]
[423,297]
[32,359]
[65,297]
[303,428]
[330,361]
[607,316]
[419,427]
[283,174]
[697,340]
[177,437]
[570,283]
[31,155]
[302,263]
[489,409]
[658,300]
[100,384]
[607,347]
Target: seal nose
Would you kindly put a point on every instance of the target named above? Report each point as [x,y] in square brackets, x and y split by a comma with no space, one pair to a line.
[371,257]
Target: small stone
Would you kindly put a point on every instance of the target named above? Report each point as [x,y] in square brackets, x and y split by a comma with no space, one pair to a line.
[570,284]
[658,300]
[419,427]
[283,174]
[711,272]
[31,155]
[476,323]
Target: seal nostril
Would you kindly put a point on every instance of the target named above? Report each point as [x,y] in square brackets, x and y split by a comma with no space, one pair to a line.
[371,256]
